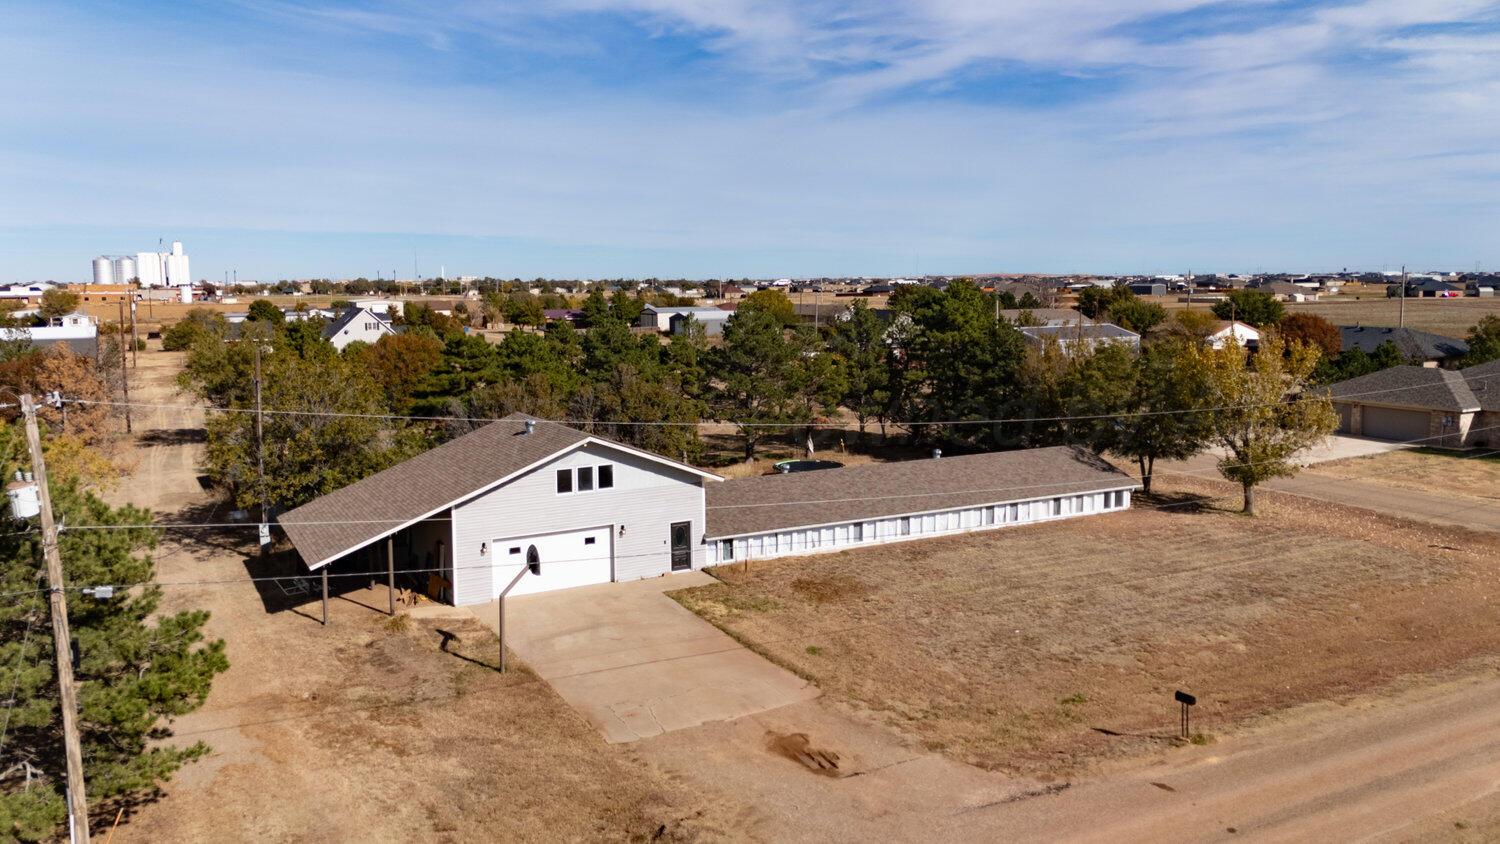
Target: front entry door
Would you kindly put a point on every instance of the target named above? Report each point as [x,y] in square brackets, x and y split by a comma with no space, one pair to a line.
[682,550]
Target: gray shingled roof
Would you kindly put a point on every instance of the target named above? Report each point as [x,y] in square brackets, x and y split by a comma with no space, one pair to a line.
[1097,331]
[334,327]
[1423,387]
[1421,345]
[1484,381]
[876,490]
[384,502]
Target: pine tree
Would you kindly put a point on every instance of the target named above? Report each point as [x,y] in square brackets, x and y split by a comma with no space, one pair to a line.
[137,668]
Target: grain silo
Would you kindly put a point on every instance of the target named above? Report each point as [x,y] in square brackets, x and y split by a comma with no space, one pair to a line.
[103,271]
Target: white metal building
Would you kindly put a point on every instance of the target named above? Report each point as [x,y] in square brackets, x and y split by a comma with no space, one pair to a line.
[460,521]
[836,509]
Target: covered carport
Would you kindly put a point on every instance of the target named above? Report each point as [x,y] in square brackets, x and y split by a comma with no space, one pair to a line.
[409,560]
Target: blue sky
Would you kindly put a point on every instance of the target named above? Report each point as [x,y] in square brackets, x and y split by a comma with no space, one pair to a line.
[604,138]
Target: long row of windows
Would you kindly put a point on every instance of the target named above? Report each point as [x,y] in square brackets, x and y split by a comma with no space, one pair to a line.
[808,540]
[585,479]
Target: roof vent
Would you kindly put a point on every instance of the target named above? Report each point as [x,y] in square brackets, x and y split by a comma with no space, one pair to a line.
[530,426]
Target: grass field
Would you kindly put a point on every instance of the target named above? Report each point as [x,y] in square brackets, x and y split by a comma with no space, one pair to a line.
[1470,475]
[1042,649]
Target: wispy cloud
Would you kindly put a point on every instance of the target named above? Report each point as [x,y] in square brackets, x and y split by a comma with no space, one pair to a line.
[700,137]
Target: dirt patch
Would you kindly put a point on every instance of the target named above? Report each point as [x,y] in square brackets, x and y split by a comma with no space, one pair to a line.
[830,588]
[798,747]
[1043,649]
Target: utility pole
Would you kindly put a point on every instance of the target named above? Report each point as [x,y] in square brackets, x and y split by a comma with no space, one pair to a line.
[1401,307]
[78,808]
[134,357]
[260,456]
[124,372]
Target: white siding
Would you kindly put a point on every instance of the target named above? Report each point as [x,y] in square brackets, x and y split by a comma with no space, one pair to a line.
[646,499]
[916,526]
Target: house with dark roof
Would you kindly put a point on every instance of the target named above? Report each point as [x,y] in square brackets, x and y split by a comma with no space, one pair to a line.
[1424,346]
[363,325]
[1075,336]
[1422,405]
[462,521]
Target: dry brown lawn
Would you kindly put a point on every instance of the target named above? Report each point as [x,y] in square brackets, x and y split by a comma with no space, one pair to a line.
[1473,475]
[1041,649]
[1369,306]
[1449,317]
[363,732]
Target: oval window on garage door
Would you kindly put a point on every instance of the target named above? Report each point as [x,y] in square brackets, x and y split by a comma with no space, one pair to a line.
[534,560]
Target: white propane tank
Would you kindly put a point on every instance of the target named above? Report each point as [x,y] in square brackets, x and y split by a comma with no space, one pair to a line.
[25,501]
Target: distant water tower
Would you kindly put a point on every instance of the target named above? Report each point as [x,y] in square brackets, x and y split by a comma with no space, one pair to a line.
[25,499]
[103,270]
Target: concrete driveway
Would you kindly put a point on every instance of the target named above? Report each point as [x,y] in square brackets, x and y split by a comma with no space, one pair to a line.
[635,663]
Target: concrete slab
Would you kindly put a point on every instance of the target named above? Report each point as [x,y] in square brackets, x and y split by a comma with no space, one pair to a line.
[635,663]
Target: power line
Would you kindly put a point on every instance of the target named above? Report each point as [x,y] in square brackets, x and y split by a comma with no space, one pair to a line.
[811,501]
[1197,499]
[741,424]
[15,680]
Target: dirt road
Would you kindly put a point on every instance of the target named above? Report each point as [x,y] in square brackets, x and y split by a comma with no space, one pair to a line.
[1425,769]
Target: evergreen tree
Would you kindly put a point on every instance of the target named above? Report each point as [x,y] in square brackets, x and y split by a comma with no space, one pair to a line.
[1484,341]
[137,667]
[863,357]
[757,368]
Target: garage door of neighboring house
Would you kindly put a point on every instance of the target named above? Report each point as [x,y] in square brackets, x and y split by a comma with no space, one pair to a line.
[1388,423]
[572,558]
[1346,413]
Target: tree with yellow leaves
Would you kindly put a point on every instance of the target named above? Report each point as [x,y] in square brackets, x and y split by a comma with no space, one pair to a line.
[1264,413]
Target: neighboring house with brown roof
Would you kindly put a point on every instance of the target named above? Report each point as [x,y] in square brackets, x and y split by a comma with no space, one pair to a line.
[459,522]
[1422,405]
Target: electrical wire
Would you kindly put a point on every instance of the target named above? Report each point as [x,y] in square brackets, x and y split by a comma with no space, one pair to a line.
[380,573]
[740,424]
[15,680]
[804,502]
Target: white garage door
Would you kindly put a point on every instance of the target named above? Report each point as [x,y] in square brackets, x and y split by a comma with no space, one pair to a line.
[575,558]
[1390,424]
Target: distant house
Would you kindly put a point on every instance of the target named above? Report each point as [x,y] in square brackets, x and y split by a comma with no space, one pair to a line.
[712,320]
[659,317]
[1288,292]
[1423,405]
[358,325]
[294,315]
[569,315]
[1148,288]
[1236,332]
[27,293]
[1072,337]
[78,331]
[1051,317]
[1431,349]
[388,306]
[1429,288]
